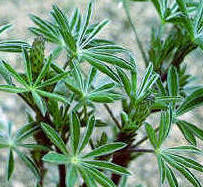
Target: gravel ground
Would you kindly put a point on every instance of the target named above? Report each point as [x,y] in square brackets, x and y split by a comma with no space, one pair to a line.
[12,108]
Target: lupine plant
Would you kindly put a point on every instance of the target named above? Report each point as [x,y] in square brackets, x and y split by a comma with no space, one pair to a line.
[65,95]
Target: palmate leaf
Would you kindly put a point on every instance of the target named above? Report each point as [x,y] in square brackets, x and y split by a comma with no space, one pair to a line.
[173,11]
[46,28]
[84,164]
[39,102]
[12,89]
[152,135]
[104,97]
[35,87]
[148,80]
[85,24]
[15,75]
[88,178]
[186,162]
[198,19]
[5,73]
[73,88]
[56,158]
[165,126]
[168,99]
[91,77]
[108,58]
[13,140]
[161,87]
[187,133]
[192,101]
[190,131]
[183,170]
[5,27]
[125,81]
[47,35]
[106,165]
[72,176]
[108,49]
[171,177]
[44,71]
[54,80]
[88,133]
[173,82]
[13,46]
[24,132]
[186,21]
[14,143]
[74,19]
[195,130]
[34,147]
[102,67]
[105,149]
[104,88]
[100,177]
[27,66]
[169,159]
[94,32]
[64,28]
[76,35]
[78,76]
[29,163]
[184,149]
[4,143]
[55,138]
[88,93]
[10,164]
[75,132]
[55,96]
[162,168]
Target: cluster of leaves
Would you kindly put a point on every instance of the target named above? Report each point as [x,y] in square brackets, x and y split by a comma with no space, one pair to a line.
[167,51]
[13,142]
[64,99]
[84,163]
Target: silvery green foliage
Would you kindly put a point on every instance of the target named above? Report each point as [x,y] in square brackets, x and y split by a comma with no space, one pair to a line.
[64,99]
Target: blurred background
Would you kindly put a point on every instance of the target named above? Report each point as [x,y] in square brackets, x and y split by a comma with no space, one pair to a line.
[12,108]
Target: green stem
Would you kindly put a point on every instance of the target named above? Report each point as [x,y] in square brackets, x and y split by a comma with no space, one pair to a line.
[126,8]
[112,116]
